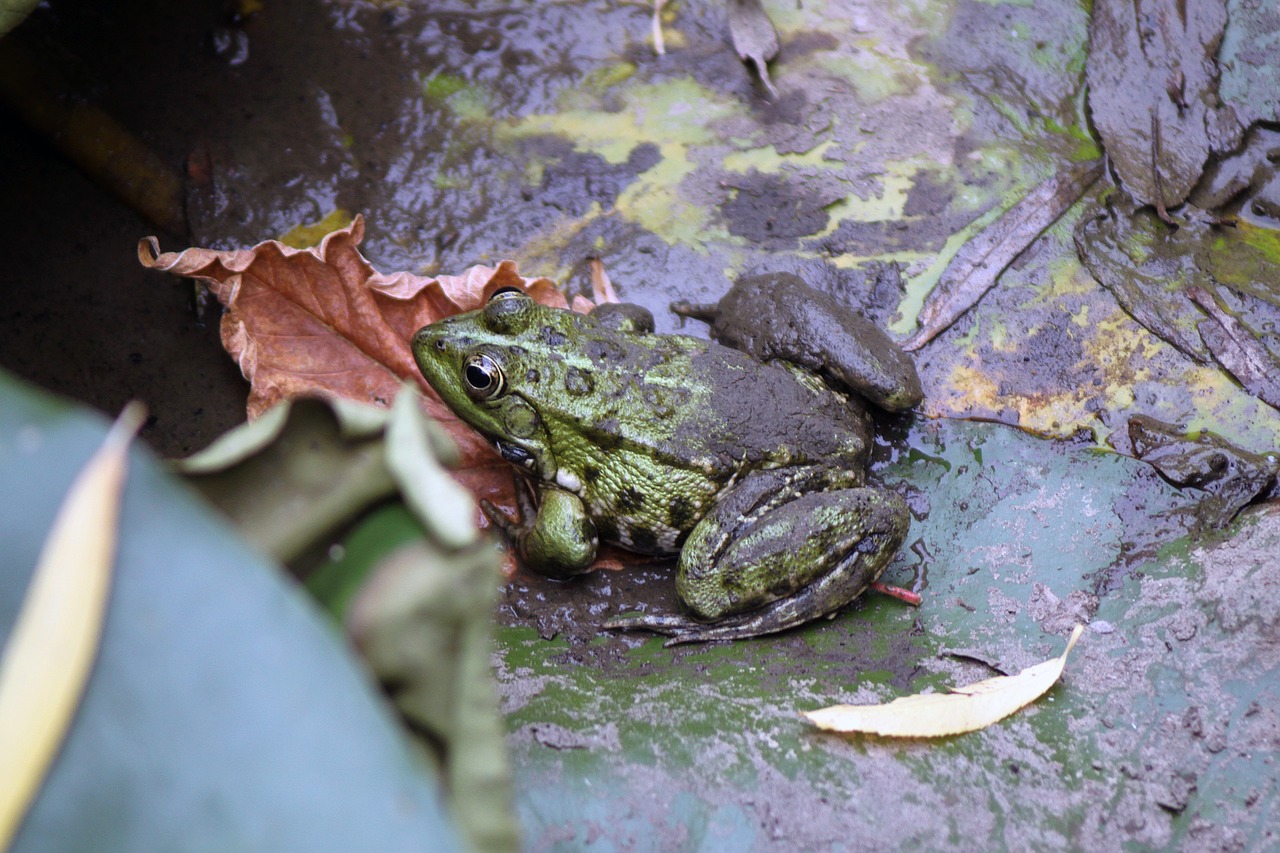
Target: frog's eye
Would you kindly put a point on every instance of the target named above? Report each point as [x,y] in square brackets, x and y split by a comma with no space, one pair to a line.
[506,293]
[508,311]
[483,377]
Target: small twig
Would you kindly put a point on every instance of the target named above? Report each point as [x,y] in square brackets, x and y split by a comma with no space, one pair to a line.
[912,598]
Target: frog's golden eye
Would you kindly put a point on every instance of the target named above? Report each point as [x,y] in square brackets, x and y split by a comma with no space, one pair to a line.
[508,311]
[483,377]
[506,293]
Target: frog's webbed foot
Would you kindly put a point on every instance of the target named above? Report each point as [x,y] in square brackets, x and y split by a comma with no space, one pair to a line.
[675,627]
[555,538]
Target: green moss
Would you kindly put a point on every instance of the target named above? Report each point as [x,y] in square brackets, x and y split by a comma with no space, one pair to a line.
[439,87]
[467,102]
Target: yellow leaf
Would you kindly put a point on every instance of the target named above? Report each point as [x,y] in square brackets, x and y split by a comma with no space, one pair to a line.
[54,642]
[967,709]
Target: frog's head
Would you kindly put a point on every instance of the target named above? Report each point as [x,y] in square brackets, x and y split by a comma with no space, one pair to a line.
[479,361]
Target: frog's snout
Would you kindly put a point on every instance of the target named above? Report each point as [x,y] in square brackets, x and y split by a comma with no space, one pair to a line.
[430,340]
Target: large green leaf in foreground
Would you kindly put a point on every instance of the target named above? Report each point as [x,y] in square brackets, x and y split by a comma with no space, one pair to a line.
[223,714]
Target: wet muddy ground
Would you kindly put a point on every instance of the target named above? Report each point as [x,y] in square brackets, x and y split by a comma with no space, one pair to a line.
[554,132]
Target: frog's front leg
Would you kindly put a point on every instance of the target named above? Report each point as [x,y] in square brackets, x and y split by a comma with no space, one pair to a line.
[556,538]
[774,554]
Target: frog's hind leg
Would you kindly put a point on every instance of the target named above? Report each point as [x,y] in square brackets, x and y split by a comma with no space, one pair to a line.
[823,597]
[773,555]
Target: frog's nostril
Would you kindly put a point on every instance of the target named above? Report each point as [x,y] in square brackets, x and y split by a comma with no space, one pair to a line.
[440,345]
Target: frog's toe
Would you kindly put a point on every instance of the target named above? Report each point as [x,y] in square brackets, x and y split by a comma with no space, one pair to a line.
[681,629]
[668,625]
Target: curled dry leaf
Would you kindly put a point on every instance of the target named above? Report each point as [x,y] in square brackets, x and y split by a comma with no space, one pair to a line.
[322,322]
[966,709]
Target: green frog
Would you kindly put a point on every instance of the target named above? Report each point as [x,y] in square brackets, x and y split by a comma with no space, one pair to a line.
[746,457]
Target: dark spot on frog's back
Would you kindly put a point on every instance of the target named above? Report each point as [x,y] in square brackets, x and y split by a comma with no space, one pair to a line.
[533,376]
[680,513]
[665,402]
[552,338]
[602,353]
[591,473]
[578,382]
[643,540]
[630,499]
[607,529]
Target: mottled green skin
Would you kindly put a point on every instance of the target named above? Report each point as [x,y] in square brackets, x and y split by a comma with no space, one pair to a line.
[669,444]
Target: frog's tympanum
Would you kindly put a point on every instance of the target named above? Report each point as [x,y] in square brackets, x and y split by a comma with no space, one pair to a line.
[746,457]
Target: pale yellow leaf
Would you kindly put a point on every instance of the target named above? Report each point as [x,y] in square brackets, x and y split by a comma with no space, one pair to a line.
[967,709]
[53,644]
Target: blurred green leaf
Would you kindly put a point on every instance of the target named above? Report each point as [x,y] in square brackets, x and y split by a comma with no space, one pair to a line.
[337,579]
[291,482]
[423,623]
[445,507]
[412,579]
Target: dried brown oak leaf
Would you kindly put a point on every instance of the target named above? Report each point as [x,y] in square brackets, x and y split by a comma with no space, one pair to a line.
[323,322]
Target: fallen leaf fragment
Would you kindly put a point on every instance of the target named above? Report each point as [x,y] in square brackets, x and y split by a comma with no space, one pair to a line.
[974,269]
[601,286]
[54,642]
[967,709]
